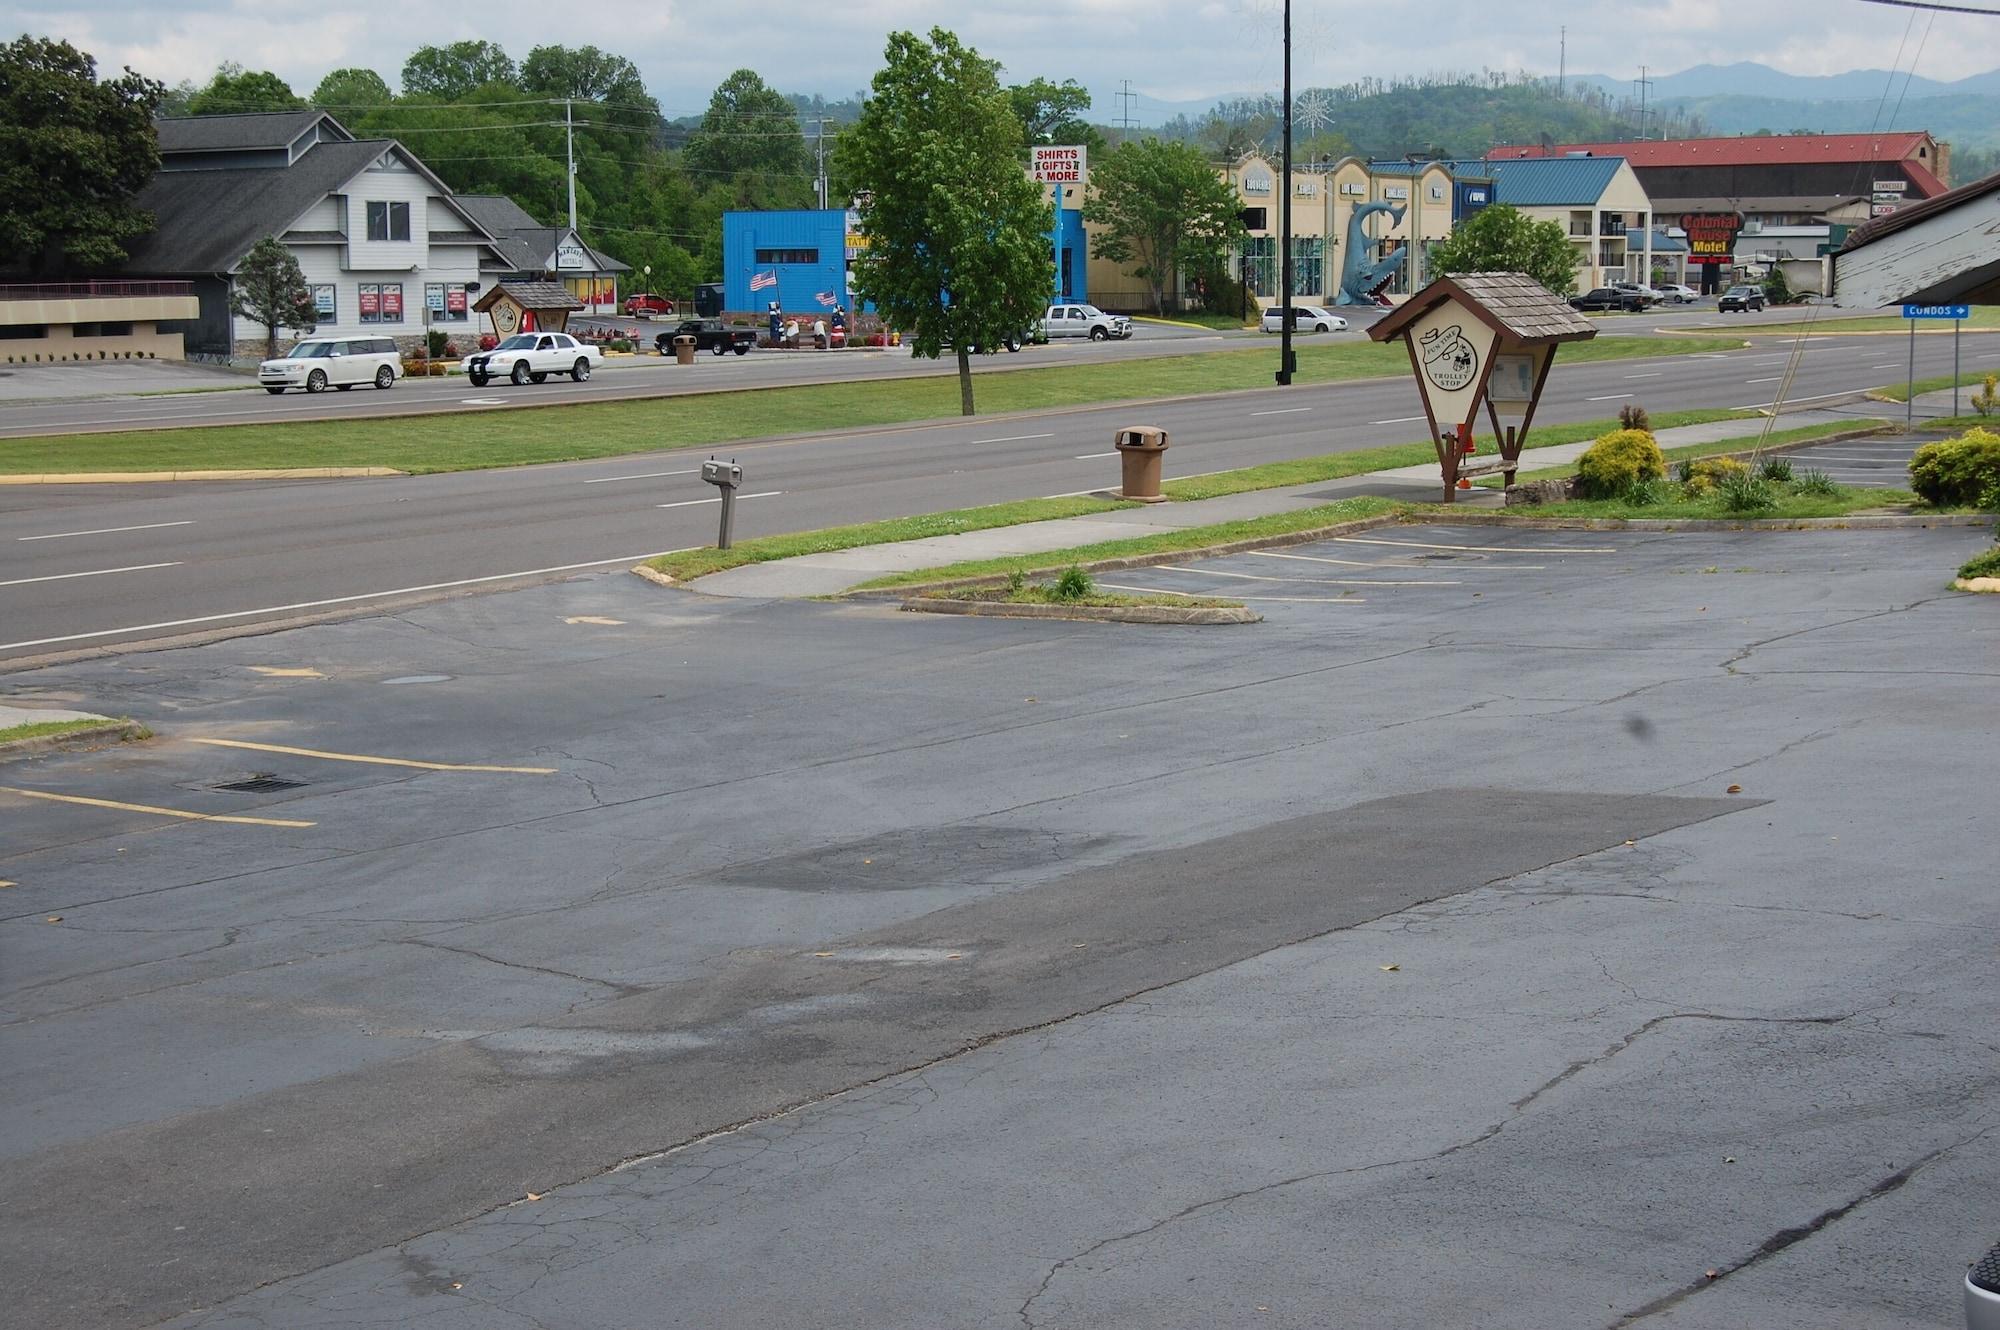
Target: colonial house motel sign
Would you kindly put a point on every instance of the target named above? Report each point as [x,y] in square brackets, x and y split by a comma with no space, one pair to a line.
[1481,339]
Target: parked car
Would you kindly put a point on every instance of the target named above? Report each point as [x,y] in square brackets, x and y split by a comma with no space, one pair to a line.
[1742,299]
[1085,321]
[1645,293]
[709,335]
[1305,318]
[1609,297]
[1678,294]
[531,358]
[320,362]
[644,304]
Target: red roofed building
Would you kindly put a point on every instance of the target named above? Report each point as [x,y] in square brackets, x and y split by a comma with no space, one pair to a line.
[1777,179]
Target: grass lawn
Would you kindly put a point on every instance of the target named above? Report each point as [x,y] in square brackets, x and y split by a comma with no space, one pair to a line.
[44,729]
[1710,506]
[1900,392]
[1718,448]
[1224,322]
[568,432]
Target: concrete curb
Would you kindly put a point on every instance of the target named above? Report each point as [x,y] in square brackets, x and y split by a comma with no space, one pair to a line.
[1853,522]
[1158,614]
[1990,585]
[655,576]
[141,477]
[115,730]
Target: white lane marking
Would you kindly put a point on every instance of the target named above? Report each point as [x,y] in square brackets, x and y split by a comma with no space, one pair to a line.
[482,401]
[1399,420]
[1481,549]
[1817,397]
[1012,438]
[1711,355]
[644,475]
[1288,411]
[1609,397]
[337,600]
[1317,581]
[99,572]
[1290,600]
[689,503]
[1360,563]
[1775,378]
[1655,375]
[106,530]
[1091,457]
[1893,364]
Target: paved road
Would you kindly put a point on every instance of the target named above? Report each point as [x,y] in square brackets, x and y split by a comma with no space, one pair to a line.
[1404,961]
[89,566]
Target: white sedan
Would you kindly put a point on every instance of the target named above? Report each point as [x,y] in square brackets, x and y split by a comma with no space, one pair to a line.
[1305,318]
[1680,295]
[531,358]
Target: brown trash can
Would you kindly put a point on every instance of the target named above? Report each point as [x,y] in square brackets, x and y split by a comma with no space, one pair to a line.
[684,350]
[1141,450]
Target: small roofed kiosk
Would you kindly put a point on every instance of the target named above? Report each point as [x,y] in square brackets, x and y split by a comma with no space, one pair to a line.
[1482,339]
[527,307]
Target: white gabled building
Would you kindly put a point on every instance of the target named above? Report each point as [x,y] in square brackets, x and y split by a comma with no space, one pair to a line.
[386,246]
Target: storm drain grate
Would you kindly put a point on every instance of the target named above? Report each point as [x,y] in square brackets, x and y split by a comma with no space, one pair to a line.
[262,784]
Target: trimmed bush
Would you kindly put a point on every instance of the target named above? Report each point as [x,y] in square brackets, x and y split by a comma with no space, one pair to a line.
[1957,472]
[1699,477]
[1618,461]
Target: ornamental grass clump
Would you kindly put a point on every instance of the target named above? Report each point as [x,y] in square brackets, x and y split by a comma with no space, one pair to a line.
[1742,492]
[1610,467]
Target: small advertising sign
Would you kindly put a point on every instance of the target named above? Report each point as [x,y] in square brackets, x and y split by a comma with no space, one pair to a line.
[1711,236]
[570,256]
[392,303]
[434,297]
[1896,185]
[1058,165]
[323,302]
[454,300]
[369,298]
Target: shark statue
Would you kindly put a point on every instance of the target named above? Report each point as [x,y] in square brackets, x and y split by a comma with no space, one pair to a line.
[1362,278]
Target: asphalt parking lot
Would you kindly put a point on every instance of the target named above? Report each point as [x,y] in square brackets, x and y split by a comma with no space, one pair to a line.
[1554,929]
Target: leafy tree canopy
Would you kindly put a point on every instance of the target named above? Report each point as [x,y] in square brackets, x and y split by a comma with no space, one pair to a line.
[1162,207]
[587,74]
[349,88]
[73,153]
[238,91]
[1053,113]
[1500,238]
[749,126]
[958,245]
[449,73]
[271,290]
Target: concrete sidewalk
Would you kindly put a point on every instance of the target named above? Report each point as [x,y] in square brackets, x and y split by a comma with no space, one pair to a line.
[830,574]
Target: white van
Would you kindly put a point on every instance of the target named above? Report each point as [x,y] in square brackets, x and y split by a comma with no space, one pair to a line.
[338,362]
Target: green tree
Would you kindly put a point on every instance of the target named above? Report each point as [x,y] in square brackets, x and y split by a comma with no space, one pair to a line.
[1504,239]
[1163,208]
[1053,113]
[73,153]
[347,89]
[448,73]
[587,74]
[237,91]
[958,245]
[749,126]
[269,289]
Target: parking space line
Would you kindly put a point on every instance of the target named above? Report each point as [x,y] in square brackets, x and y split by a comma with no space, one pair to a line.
[157,812]
[376,761]
[1317,581]
[690,503]
[106,530]
[1480,549]
[1290,600]
[1359,563]
[644,475]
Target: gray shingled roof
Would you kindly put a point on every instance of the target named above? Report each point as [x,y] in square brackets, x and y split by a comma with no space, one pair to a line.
[219,133]
[530,295]
[1513,302]
[205,221]
[526,242]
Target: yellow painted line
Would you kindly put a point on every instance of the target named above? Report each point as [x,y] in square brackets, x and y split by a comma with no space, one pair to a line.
[373,761]
[158,812]
[1478,549]
[597,619]
[279,672]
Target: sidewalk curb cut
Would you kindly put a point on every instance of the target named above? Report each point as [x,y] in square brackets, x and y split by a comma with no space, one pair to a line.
[655,576]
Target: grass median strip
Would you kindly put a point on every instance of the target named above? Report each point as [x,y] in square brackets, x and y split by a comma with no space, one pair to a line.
[1843,502]
[556,430]
[50,729]
[1695,451]
[1984,318]
[1901,392]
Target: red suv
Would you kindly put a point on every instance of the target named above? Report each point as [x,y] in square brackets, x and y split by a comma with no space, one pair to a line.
[645,302]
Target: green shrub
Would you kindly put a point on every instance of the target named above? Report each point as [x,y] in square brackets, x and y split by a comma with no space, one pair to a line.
[1649,492]
[1017,580]
[619,344]
[1618,461]
[434,342]
[1699,477]
[1742,492]
[1073,584]
[1957,472]
[1983,565]
[1988,396]
[1816,483]
[1777,470]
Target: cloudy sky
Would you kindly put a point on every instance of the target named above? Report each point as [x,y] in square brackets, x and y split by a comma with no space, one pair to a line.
[1172,50]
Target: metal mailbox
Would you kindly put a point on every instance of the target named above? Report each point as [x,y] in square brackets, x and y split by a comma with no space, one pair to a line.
[727,475]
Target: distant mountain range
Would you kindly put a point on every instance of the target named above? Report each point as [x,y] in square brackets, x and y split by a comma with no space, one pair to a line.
[1748,79]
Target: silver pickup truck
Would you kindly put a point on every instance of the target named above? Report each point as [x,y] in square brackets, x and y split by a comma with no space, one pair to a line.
[1085,321]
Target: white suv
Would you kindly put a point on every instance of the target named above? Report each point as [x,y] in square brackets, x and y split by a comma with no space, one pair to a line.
[322,362]
[1085,321]
[531,358]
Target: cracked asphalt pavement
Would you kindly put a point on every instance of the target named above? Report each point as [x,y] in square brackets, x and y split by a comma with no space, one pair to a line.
[1405,960]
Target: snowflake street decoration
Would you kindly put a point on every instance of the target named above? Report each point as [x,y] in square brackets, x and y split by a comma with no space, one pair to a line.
[1313,109]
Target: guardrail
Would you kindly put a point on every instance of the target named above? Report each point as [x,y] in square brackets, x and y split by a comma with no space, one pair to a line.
[109,290]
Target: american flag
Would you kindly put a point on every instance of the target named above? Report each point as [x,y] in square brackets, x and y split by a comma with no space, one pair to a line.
[827,298]
[763,280]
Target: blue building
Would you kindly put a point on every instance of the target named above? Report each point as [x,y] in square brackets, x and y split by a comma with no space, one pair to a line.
[811,251]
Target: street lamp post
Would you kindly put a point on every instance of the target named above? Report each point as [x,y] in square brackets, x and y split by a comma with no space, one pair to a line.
[1286,361]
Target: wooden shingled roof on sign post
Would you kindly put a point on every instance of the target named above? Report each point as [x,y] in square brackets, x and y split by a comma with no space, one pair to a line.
[1481,339]
[549,304]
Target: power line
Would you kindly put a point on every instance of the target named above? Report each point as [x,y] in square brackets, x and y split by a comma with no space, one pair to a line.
[1935,7]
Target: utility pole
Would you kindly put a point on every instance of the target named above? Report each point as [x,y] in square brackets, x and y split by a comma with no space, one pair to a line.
[569,138]
[819,158]
[1285,358]
[1644,84]
[1125,99]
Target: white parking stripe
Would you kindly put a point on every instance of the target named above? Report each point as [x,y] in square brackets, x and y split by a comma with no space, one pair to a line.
[1358,563]
[1290,600]
[1322,581]
[99,572]
[1481,549]
[106,530]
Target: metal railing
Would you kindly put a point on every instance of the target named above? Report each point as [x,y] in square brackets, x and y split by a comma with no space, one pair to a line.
[106,290]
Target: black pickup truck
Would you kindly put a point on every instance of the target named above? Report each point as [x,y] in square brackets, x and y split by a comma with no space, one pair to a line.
[709,335]
[1609,297]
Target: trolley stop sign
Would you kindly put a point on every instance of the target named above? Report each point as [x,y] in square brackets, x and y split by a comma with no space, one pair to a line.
[1937,311]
